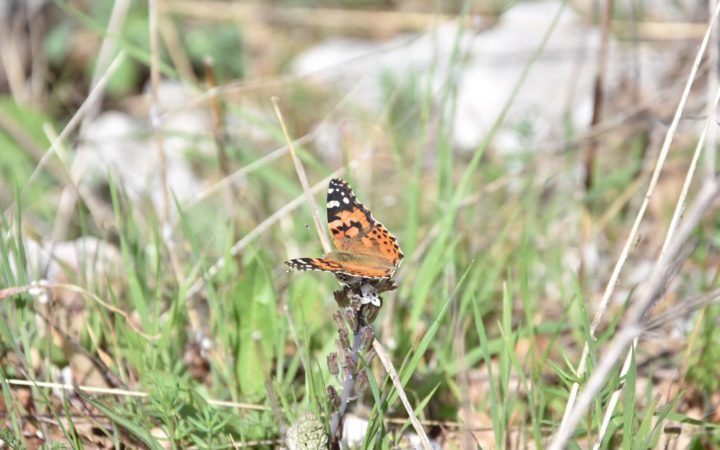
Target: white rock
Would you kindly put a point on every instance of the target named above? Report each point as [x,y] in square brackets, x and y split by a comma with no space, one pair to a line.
[123,147]
[560,83]
[55,262]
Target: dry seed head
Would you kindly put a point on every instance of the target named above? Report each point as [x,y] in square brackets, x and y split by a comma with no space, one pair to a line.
[333,365]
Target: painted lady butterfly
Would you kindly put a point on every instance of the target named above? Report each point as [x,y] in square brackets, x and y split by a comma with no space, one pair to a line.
[365,248]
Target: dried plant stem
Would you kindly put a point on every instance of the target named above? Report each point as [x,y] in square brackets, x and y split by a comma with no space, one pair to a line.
[336,419]
[99,211]
[390,369]
[70,193]
[614,277]
[217,118]
[119,392]
[597,112]
[319,224]
[176,49]
[107,48]
[393,21]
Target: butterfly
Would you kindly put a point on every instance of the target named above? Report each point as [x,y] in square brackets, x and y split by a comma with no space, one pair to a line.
[365,248]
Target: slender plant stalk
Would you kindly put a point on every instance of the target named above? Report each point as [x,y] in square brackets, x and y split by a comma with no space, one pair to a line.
[336,420]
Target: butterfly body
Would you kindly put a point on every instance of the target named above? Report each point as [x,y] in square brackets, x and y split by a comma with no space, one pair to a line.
[365,249]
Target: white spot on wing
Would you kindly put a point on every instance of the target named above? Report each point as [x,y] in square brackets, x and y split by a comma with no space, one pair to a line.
[345,200]
[333,204]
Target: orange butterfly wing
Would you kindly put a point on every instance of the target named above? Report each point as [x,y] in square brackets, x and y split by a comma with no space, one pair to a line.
[365,248]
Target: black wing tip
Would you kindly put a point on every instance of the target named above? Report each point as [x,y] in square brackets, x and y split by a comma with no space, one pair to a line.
[300,264]
[338,182]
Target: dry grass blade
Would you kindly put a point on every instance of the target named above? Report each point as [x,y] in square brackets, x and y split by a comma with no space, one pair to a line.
[107,48]
[400,21]
[390,369]
[121,392]
[70,193]
[99,211]
[319,224]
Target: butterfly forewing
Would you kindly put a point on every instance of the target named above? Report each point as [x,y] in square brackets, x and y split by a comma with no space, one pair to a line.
[347,218]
